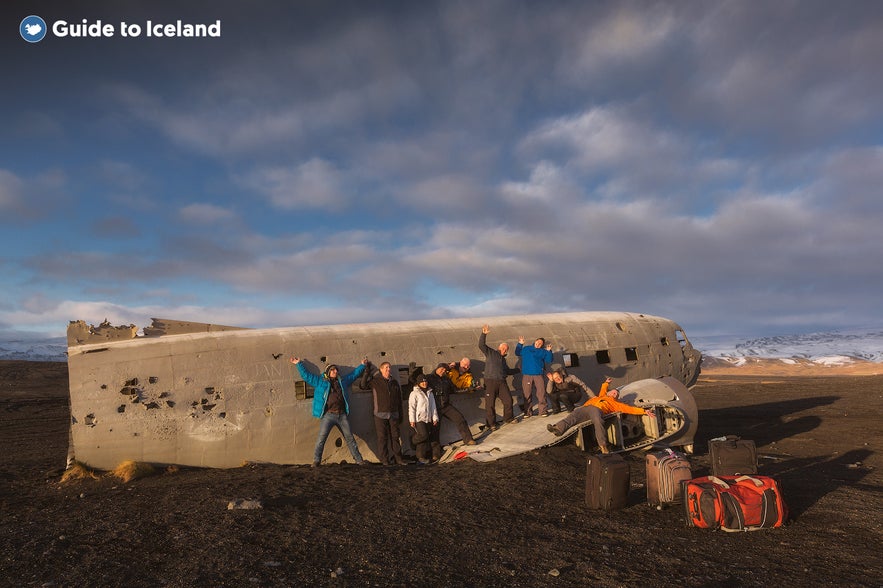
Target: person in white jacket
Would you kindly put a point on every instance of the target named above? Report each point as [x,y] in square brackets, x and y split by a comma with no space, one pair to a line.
[423,416]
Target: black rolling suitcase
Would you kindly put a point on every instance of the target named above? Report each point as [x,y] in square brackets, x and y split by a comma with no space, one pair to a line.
[732,456]
[607,482]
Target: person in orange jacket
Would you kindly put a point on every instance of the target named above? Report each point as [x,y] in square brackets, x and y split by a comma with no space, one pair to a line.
[593,410]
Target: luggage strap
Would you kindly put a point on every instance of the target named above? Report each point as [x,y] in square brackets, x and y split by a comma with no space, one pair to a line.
[720,482]
[728,530]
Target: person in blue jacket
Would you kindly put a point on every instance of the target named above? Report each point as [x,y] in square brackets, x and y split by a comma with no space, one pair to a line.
[534,360]
[331,404]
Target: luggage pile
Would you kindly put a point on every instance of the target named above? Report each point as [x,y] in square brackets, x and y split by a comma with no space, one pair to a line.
[733,498]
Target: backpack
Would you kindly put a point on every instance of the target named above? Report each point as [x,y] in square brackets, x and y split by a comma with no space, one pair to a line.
[733,503]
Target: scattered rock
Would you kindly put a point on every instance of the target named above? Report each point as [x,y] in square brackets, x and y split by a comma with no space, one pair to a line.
[244,504]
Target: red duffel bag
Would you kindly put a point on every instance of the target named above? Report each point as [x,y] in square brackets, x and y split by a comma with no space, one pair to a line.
[733,503]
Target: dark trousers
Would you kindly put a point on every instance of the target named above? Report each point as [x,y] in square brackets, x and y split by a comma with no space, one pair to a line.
[581,415]
[567,397]
[492,390]
[456,417]
[389,448]
[422,441]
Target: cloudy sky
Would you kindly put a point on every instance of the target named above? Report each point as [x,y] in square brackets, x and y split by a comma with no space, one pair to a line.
[717,163]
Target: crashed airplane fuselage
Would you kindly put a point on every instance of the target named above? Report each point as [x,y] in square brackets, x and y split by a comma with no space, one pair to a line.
[211,396]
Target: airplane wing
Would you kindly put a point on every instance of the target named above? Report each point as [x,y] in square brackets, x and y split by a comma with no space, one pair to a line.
[511,439]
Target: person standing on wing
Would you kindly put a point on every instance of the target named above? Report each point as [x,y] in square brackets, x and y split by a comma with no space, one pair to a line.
[495,371]
[534,360]
[331,404]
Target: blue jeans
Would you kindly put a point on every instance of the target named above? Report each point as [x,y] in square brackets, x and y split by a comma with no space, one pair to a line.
[339,420]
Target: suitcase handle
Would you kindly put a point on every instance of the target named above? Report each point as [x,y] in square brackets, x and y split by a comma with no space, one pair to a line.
[755,480]
[718,481]
[695,508]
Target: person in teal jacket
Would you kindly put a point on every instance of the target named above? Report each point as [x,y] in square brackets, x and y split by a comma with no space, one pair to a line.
[331,404]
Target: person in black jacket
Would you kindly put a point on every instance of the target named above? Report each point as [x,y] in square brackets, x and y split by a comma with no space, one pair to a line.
[443,387]
[496,369]
[387,415]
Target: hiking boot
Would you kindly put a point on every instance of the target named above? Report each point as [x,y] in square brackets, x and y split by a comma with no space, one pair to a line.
[315,464]
[604,449]
[554,430]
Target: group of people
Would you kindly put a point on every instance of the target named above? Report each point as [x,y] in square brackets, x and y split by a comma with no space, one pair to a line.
[429,400]
[552,385]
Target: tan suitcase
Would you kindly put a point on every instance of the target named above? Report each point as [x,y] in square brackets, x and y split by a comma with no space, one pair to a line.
[666,470]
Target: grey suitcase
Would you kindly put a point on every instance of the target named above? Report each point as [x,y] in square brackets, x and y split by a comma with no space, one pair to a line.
[607,482]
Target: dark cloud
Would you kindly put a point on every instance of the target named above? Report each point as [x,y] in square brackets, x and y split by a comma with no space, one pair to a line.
[717,163]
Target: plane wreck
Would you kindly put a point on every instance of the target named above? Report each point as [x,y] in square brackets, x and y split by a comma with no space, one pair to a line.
[205,395]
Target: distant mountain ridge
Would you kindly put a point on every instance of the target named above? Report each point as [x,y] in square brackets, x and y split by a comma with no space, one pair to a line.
[48,349]
[823,348]
[819,347]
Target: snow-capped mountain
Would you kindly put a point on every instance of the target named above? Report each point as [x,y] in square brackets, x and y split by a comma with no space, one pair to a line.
[34,349]
[827,348]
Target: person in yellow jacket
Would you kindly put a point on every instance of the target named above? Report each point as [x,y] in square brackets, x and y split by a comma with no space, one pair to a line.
[593,410]
[460,375]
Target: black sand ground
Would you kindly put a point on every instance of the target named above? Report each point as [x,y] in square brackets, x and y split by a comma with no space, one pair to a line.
[518,522]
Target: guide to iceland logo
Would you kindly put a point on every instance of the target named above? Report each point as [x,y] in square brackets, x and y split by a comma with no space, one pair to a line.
[32,29]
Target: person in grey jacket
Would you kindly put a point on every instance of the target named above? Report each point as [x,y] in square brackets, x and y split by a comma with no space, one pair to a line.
[566,389]
[496,369]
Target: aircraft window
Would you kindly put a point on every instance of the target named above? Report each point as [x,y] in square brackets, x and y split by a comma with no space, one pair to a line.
[682,339]
[603,356]
[631,353]
[570,360]
[403,375]
[664,340]
[620,327]
[302,390]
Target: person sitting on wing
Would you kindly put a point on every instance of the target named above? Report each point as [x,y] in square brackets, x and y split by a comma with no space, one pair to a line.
[593,410]
[565,388]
